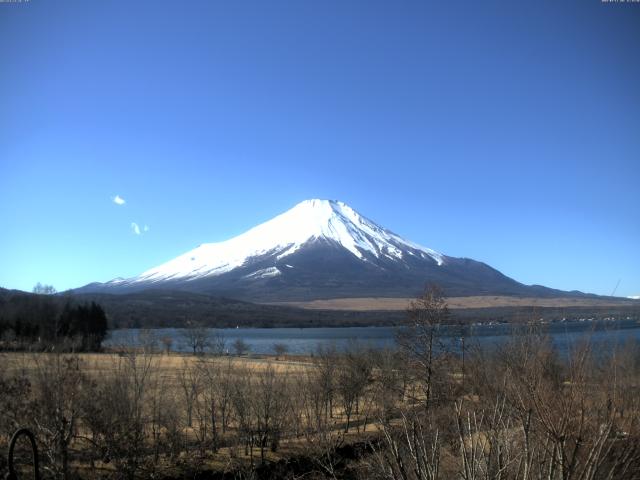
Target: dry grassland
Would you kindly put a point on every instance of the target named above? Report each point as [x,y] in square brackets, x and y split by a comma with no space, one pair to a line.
[167,366]
[395,304]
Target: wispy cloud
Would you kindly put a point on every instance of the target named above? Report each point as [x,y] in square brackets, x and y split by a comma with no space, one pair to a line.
[118,200]
[139,230]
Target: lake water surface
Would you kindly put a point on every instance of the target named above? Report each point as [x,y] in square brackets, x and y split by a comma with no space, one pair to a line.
[603,334]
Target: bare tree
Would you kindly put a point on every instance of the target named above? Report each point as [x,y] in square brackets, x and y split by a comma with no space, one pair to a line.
[314,398]
[41,289]
[325,362]
[170,424]
[56,410]
[269,403]
[280,349]
[410,449]
[116,412]
[213,405]
[241,394]
[189,379]
[543,416]
[241,347]
[218,343]
[197,337]
[391,381]
[420,340]
[227,373]
[353,375]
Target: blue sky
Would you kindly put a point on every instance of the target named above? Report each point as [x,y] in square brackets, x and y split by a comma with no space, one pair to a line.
[507,132]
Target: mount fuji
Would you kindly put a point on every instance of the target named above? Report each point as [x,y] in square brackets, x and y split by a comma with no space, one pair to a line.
[320,249]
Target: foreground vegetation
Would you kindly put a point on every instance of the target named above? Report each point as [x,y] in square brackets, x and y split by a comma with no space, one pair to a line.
[521,412]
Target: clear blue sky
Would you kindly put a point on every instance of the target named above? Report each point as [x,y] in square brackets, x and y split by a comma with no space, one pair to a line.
[507,132]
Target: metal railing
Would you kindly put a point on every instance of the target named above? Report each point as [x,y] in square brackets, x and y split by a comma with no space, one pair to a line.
[11,475]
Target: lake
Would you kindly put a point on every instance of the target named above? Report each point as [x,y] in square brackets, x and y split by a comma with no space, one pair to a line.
[604,334]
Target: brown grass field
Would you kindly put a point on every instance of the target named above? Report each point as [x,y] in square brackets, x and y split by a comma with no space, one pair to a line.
[168,365]
[394,304]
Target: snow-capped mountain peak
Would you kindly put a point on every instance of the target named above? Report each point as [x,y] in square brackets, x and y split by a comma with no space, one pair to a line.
[319,249]
[308,221]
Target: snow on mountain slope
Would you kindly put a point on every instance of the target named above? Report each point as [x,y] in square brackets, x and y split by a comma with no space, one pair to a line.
[284,235]
[320,249]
